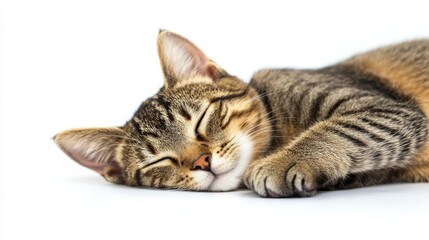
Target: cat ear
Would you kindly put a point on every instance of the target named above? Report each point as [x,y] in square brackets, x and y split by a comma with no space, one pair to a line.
[94,148]
[183,62]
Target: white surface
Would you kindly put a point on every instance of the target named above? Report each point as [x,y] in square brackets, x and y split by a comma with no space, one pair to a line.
[84,63]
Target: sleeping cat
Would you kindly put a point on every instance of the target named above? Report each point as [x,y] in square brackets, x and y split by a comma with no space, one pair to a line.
[288,133]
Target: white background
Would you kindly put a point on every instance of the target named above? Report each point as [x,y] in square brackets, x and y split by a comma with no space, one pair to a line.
[83,63]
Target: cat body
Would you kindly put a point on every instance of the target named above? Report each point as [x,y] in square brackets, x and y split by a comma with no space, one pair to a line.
[286,133]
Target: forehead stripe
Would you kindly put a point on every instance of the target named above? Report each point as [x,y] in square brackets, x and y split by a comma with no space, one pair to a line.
[150,147]
[229,97]
[136,125]
[185,113]
[166,105]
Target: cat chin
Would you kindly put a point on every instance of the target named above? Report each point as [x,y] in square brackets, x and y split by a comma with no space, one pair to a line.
[226,175]
[224,182]
[231,179]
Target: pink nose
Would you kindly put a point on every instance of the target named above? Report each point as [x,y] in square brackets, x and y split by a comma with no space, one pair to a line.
[202,162]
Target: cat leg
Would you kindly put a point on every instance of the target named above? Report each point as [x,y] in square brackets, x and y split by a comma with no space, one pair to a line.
[300,168]
[333,149]
[411,174]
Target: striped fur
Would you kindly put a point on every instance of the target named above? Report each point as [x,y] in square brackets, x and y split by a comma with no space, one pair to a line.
[347,125]
[288,133]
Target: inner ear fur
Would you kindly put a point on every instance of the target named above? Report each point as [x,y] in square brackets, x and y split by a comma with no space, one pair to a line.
[94,148]
[181,61]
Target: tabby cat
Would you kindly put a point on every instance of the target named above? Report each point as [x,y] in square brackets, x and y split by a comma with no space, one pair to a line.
[288,133]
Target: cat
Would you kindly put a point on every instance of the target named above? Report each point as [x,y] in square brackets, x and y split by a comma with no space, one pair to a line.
[288,133]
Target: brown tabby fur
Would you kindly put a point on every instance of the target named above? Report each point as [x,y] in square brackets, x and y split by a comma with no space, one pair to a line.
[286,133]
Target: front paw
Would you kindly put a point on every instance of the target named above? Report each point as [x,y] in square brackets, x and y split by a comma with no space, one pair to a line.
[282,179]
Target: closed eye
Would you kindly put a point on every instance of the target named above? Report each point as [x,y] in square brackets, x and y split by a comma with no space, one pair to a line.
[197,133]
[160,160]
[230,97]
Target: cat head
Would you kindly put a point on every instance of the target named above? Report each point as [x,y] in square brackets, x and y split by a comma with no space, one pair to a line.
[199,132]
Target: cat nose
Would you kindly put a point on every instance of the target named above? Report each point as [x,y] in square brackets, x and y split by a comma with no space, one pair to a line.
[202,162]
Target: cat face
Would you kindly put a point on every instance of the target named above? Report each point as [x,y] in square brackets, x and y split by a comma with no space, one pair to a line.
[199,132]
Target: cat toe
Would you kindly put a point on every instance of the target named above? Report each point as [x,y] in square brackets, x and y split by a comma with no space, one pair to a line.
[301,180]
[270,192]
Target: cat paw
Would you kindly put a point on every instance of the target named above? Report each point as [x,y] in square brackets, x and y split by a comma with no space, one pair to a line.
[280,179]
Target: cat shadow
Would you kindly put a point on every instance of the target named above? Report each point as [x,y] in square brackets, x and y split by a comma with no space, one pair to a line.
[250,194]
